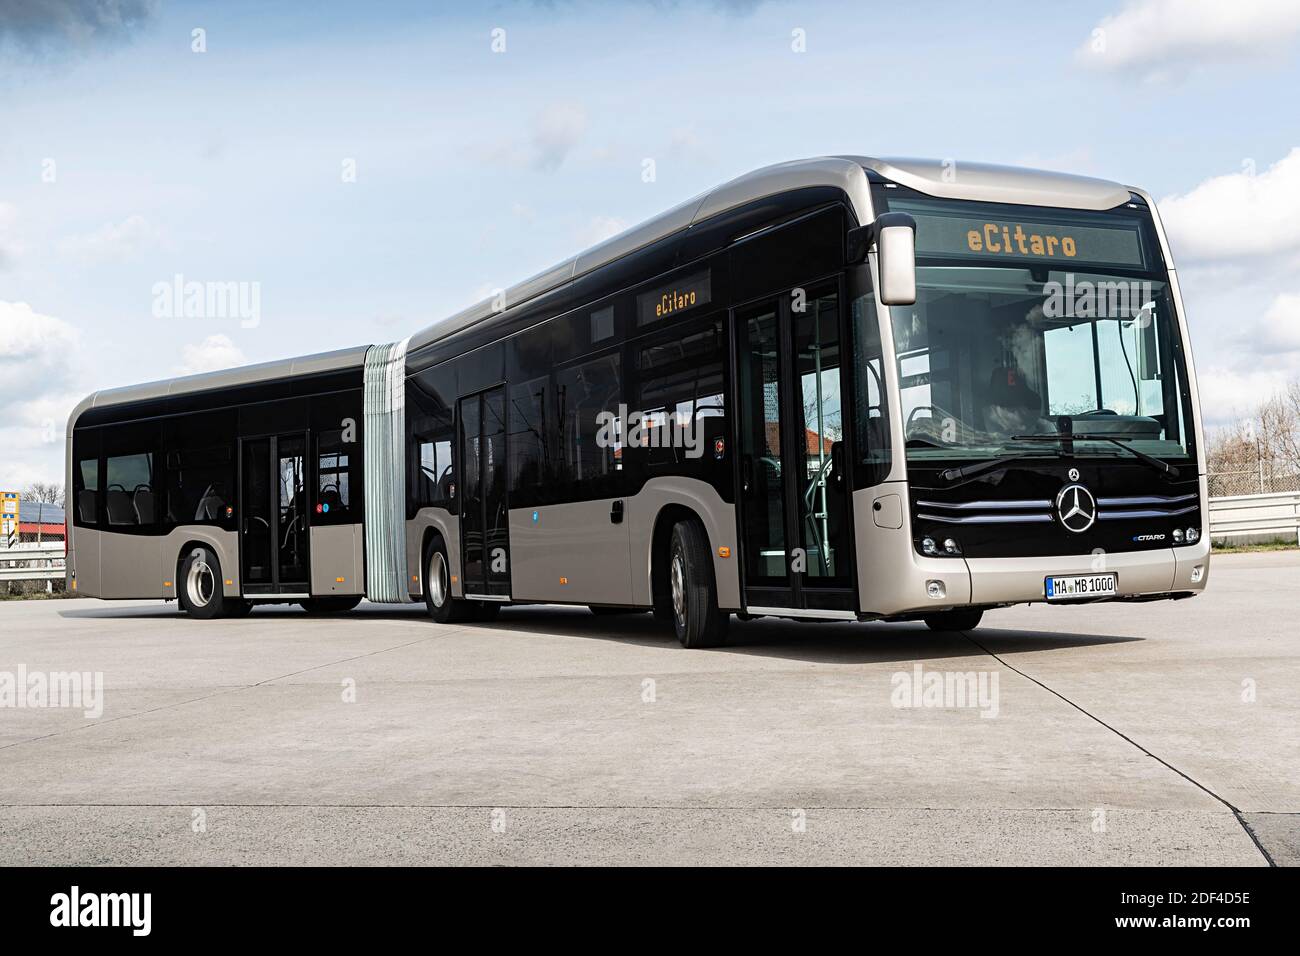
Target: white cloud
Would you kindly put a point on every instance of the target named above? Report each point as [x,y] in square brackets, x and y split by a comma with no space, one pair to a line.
[111,241]
[1237,215]
[1164,39]
[600,228]
[1229,395]
[37,391]
[1280,327]
[35,353]
[214,353]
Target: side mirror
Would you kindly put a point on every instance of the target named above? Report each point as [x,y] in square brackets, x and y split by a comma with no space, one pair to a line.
[895,234]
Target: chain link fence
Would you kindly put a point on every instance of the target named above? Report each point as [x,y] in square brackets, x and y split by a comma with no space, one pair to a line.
[1267,479]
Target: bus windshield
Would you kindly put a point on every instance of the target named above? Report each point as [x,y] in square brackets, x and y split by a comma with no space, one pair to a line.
[1028,324]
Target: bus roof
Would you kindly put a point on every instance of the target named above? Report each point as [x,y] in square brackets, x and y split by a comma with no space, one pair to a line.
[942,178]
[226,378]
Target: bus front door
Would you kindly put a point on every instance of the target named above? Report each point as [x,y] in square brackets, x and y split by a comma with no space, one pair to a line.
[794,501]
[484,512]
[274,524]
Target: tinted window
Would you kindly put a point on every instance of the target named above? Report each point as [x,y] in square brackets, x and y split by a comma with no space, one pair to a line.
[200,465]
[587,397]
[681,396]
[430,427]
[85,477]
[335,464]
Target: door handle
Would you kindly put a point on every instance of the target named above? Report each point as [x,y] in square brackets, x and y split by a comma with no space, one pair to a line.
[616,512]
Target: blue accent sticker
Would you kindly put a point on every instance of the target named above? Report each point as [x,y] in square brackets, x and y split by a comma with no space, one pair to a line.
[536,517]
[1051,591]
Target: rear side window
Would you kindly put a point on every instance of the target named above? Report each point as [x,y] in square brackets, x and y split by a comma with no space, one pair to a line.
[86,491]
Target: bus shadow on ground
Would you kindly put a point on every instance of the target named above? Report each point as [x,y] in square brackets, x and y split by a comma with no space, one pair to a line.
[808,641]
[813,642]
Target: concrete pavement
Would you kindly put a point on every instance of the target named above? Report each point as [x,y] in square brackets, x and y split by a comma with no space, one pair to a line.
[1157,733]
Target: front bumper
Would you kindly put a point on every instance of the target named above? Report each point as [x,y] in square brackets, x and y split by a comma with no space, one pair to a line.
[1020,580]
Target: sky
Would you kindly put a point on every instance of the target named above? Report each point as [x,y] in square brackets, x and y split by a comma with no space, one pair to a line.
[359,171]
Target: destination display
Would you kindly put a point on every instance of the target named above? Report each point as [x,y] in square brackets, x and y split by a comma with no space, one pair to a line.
[1073,244]
[686,293]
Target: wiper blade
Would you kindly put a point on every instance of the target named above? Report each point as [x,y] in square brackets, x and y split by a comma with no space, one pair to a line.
[979,468]
[1156,463]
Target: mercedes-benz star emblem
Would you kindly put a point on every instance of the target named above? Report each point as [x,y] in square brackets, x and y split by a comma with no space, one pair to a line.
[1077,508]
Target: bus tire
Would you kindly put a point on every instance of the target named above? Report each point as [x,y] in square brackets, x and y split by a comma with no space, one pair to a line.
[960,619]
[199,585]
[330,605]
[696,617]
[442,607]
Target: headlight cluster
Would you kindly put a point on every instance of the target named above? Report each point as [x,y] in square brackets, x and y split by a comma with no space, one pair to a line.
[1191,535]
[934,549]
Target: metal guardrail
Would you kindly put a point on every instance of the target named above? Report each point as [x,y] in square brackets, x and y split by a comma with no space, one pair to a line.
[1268,514]
[32,562]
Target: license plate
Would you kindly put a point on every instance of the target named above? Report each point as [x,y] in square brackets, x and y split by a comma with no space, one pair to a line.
[1081,586]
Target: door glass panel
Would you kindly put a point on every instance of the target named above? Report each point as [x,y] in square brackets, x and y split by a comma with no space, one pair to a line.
[471,502]
[496,515]
[821,485]
[292,540]
[256,505]
[763,504]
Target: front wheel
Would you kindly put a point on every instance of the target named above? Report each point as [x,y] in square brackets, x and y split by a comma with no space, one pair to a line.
[200,579]
[961,619]
[696,617]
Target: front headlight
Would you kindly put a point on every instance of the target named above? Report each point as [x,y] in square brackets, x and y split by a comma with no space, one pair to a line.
[1193,535]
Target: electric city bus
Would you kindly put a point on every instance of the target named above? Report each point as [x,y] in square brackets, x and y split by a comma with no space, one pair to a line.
[833,389]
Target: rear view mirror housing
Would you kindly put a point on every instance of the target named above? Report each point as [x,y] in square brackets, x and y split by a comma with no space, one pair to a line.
[894,235]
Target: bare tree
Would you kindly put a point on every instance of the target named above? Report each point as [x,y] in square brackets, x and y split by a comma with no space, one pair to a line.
[44,491]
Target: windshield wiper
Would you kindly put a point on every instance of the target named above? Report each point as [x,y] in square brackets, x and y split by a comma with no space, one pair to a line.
[969,471]
[1156,463]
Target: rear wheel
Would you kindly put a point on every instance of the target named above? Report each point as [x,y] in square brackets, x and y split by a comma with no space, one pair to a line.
[961,619]
[696,617]
[200,580]
[331,605]
[443,608]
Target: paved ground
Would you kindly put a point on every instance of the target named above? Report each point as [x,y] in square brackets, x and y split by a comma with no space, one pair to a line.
[1158,733]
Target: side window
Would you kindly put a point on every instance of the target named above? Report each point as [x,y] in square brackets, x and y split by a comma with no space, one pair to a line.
[680,397]
[200,465]
[526,440]
[871,413]
[85,478]
[334,463]
[431,428]
[129,499]
[587,397]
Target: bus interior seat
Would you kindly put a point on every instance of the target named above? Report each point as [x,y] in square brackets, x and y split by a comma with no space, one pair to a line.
[86,505]
[210,506]
[118,502]
[142,501]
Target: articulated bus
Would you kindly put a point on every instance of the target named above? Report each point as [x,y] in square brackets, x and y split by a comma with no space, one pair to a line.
[834,389]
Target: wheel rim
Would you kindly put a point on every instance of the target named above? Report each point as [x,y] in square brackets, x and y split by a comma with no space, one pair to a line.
[438,579]
[200,582]
[678,576]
